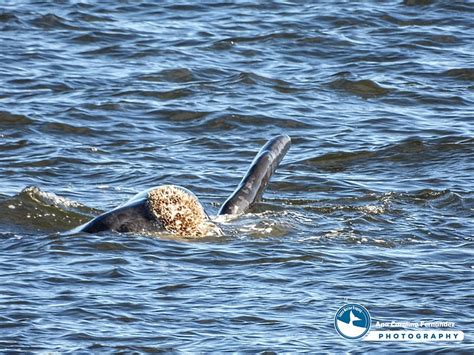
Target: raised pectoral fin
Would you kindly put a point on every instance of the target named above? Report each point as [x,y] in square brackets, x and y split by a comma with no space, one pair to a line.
[252,186]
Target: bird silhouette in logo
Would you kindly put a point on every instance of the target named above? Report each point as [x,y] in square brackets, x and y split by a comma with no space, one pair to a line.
[350,329]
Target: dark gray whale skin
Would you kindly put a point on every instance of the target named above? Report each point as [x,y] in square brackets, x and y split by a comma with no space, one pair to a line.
[252,186]
[135,216]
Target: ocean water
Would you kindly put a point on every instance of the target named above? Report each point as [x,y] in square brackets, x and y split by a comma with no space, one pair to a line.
[373,204]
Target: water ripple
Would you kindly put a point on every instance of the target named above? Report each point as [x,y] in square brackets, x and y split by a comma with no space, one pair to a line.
[373,203]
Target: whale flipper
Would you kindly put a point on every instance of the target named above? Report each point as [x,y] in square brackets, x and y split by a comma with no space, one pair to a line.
[252,186]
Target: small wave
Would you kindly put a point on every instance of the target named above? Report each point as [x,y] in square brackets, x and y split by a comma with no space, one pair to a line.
[7,17]
[143,53]
[107,50]
[408,21]
[348,236]
[34,209]
[264,224]
[89,17]
[99,106]
[180,75]
[186,7]
[406,150]
[417,98]
[87,38]
[363,88]
[164,95]
[265,229]
[439,199]
[336,159]
[418,2]
[230,42]
[11,119]
[36,194]
[250,78]
[461,73]
[51,21]
[180,115]
[53,86]
[233,121]
[365,209]
[373,208]
[14,145]
[414,147]
[104,36]
[64,128]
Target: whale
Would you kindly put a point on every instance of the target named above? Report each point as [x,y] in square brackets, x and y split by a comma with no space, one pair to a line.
[176,210]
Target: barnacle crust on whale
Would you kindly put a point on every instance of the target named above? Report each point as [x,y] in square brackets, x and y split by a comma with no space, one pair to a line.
[179,211]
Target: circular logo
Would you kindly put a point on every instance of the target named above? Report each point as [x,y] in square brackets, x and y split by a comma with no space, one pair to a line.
[352,321]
